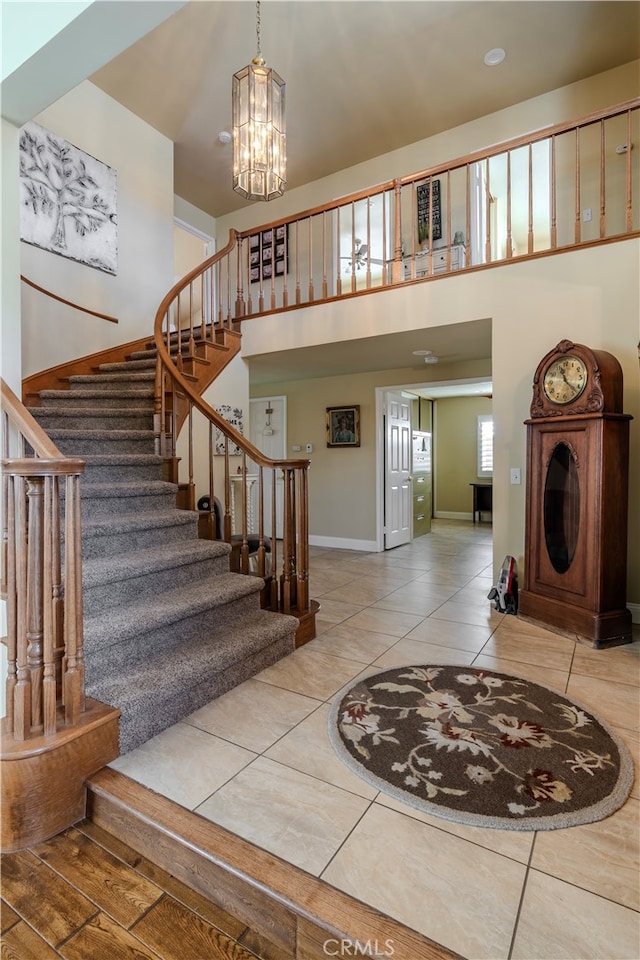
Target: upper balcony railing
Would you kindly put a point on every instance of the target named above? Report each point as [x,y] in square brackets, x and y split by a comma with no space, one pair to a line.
[562,187]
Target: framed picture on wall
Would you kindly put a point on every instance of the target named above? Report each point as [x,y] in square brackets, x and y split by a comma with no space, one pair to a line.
[425,193]
[343,426]
[269,254]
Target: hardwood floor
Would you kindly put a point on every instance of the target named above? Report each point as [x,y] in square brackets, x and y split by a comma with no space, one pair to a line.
[84,895]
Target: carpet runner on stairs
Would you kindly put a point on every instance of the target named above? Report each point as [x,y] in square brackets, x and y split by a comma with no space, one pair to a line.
[167,626]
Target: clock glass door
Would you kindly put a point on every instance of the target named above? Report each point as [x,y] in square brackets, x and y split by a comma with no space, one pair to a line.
[561,508]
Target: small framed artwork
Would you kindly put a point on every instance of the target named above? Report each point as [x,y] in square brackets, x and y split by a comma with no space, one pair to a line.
[269,253]
[424,194]
[343,426]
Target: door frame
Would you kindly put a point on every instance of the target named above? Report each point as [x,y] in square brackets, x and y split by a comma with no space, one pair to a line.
[380,466]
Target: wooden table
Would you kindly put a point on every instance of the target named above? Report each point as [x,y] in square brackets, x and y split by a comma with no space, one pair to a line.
[482,499]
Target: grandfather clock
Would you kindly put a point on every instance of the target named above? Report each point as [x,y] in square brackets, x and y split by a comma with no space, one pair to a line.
[577,497]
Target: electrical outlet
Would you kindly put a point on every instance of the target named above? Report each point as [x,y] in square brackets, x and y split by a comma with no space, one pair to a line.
[296,448]
[586,215]
[515,475]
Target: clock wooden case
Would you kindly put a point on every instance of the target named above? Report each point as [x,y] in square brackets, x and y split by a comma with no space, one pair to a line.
[577,497]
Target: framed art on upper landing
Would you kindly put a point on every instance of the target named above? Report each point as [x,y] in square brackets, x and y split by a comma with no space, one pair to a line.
[269,253]
[427,218]
[343,426]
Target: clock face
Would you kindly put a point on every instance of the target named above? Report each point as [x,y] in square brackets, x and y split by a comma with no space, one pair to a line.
[565,379]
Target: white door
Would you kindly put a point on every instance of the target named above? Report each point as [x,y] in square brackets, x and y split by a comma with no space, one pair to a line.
[398,501]
[267,432]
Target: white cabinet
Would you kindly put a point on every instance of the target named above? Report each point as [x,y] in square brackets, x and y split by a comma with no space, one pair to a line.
[438,260]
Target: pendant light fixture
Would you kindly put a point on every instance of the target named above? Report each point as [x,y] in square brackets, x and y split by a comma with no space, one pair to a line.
[259,141]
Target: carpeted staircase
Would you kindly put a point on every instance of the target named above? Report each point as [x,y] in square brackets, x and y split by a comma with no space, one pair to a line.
[167,627]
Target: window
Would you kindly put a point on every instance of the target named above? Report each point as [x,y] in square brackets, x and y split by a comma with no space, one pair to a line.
[485,446]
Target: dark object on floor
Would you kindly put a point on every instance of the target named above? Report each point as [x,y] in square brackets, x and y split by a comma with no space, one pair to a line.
[505,593]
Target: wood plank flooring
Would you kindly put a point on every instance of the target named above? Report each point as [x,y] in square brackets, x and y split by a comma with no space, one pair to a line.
[85,895]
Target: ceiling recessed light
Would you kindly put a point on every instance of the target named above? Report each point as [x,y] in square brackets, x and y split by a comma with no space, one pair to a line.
[431,359]
[224,136]
[493,57]
[422,353]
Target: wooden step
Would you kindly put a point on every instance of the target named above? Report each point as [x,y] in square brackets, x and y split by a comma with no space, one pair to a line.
[298,913]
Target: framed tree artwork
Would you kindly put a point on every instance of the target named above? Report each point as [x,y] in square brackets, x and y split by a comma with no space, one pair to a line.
[68,200]
[269,253]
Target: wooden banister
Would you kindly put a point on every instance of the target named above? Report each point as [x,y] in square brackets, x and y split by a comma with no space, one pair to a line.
[184,325]
[319,241]
[41,582]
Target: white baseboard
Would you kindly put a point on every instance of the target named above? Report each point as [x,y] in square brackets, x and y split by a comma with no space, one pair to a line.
[451,515]
[635,612]
[368,546]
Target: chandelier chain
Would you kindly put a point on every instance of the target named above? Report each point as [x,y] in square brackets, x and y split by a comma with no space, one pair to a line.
[259,53]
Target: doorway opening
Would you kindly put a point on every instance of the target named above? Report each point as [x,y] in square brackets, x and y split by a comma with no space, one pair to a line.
[451,494]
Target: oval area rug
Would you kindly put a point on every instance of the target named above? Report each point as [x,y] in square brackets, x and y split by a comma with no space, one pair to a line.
[482,748]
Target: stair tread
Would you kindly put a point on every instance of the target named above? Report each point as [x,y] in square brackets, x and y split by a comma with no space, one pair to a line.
[100,570]
[63,433]
[145,376]
[163,672]
[127,488]
[98,394]
[128,365]
[137,521]
[138,617]
[70,411]
[130,458]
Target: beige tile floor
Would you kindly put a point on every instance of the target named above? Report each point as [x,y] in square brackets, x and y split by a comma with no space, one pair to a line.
[258,761]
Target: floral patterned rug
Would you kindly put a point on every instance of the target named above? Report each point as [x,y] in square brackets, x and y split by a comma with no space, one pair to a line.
[482,748]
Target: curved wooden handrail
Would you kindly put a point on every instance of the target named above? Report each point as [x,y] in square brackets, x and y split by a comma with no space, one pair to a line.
[165,361]
[68,303]
[42,445]
[185,327]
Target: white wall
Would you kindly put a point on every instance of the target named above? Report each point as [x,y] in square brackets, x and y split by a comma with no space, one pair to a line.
[143,161]
[10,349]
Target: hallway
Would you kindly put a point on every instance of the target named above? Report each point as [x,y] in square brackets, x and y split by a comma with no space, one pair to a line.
[258,761]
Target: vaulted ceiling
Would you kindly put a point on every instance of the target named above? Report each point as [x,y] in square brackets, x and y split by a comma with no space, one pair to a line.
[363,76]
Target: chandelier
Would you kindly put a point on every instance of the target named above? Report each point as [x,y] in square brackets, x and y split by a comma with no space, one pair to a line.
[259,141]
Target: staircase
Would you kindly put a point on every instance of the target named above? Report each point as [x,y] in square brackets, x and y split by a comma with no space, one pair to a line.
[167,626]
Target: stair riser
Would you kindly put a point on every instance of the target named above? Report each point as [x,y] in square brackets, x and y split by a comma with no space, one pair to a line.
[115,544]
[82,446]
[112,382]
[104,400]
[103,656]
[163,708]
[102,598]
[101,508]
[56,420]
[101,473]
[127,366]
